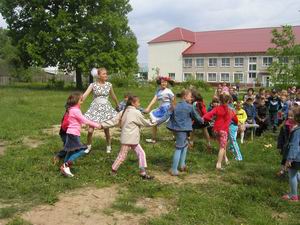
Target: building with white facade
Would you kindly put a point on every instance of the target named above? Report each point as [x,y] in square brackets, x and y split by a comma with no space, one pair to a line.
[233,56]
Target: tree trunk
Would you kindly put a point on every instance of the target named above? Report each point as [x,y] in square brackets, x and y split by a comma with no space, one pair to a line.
[78,79]
[91,79]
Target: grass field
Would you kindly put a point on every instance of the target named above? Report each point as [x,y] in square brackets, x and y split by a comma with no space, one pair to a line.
[247,192]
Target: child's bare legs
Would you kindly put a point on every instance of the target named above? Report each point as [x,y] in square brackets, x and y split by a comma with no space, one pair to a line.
[242,129]
[222,138]
[191,139]
[220,158]
[108,140]
[207,137]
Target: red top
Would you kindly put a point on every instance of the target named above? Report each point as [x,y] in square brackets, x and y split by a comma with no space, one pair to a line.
[201,108]
[224,115]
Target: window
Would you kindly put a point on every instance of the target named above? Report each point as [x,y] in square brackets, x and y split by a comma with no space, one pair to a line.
[188,62]
[238,77]
[239,62]
[212,62]
[267,61]
[284,60]
[172,76]
[225,77]
[187,76]
[226,62]
[212,77]
[252,60]
[199,76]
[252,67]
[199,62]
[252,75]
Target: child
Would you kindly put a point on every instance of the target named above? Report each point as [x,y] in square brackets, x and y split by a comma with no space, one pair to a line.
[242,118]
[165,97]
[122,104]
[181,124]
[283,139]
[130,120]
[199,109]
[261,116]
[293,158]
[214,103]
[234,147]
[250,94]
[73,146]
[250,110]
[224,116]
[274,105]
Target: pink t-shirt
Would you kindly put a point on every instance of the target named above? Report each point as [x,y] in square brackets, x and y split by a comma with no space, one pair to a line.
[76,119]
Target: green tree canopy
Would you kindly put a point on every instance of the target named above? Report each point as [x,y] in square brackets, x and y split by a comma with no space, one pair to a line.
[285,69]
[77,34]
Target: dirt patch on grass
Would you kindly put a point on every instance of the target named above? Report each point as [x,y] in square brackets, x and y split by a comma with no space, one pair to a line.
[2,147]
[32,143]
[88,206]
[280,216]
[114,132]
[194,178]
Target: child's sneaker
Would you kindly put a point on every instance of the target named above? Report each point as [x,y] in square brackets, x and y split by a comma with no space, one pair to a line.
[89,148]
[149,140]
[172,173]
[183,169]
[65,170]
[108,149]
[146,177]
[294,198]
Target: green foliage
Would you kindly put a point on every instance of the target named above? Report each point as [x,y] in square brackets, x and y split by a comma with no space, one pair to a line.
[285,68]
[55,84]
[122,80]
[198,84]
[77,34]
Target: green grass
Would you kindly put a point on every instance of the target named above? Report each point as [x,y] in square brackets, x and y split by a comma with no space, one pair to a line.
[246,193]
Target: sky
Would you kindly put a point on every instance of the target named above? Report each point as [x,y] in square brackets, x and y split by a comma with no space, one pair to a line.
[152,18]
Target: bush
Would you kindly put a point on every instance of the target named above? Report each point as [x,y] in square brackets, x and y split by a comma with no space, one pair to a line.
[123,80]
[55,84]
[198,84]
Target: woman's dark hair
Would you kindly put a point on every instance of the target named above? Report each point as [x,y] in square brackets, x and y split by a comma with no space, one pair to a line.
[73,99]
[196,95]
[169,80]
[131,99]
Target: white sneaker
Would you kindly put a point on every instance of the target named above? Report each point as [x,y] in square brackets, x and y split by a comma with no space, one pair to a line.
[150,141]
[65,170]
[89,148]
[108,149]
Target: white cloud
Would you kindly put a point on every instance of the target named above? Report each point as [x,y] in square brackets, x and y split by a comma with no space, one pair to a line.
[2,22]
[150,19]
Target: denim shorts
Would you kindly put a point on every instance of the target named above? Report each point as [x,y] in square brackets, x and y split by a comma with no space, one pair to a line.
[181,139]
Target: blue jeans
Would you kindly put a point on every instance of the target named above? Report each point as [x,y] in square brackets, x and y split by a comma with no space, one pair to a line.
[294,177]
[73,155]
[179,156]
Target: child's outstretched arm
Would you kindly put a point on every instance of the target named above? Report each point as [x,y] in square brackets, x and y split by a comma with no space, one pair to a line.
[208,116]
[141,121]
[78,115]
[112,122]
[154,99]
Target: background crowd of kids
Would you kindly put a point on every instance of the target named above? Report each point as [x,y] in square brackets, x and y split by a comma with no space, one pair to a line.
[228,115]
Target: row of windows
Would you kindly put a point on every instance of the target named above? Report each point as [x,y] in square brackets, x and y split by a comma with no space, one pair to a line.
[213,77]
[225,62]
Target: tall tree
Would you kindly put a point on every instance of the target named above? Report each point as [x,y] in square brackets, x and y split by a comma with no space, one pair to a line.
[286,66]
[77,34]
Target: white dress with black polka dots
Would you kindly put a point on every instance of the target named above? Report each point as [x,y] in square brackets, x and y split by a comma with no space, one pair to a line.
[100,109]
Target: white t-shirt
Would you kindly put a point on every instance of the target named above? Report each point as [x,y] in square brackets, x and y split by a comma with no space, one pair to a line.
[164,96]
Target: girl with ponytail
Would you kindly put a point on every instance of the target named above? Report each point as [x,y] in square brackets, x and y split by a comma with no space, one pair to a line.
[130,120]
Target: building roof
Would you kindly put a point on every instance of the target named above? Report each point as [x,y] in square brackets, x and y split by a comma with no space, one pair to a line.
[252,40]
[177,34]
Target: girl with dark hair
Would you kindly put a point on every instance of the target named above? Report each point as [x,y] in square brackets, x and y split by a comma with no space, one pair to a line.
[73,147]
[130,120]
[224,116]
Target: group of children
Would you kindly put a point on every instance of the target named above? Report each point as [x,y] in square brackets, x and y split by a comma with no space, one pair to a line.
[224,118]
